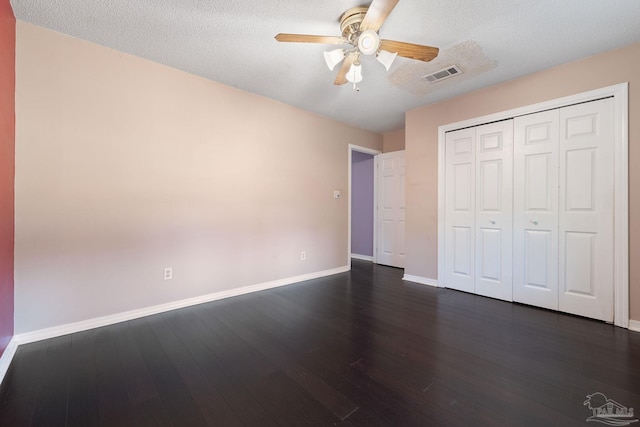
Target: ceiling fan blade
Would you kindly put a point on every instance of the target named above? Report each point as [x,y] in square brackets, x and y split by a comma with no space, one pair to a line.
[377,13]
[306,38]
[341,78]
[410,50]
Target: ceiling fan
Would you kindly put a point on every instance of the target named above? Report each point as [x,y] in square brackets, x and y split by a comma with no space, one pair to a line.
[359,26]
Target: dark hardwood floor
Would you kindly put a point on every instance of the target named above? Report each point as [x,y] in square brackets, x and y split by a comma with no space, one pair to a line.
[357,349]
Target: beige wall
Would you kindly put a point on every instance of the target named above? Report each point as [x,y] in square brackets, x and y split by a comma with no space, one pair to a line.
[393,141]
[622,65]
[124,167]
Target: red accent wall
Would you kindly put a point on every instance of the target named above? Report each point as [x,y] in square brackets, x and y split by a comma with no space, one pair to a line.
[7,167]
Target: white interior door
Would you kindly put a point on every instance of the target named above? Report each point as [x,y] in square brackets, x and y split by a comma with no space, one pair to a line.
[391,209]
[535,206]
[494,210]
[586,209]
[460,210]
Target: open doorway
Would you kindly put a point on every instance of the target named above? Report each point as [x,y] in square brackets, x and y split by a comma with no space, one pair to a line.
[362,202]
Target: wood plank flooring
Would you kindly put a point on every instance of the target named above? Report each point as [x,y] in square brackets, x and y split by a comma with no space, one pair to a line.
[361,348]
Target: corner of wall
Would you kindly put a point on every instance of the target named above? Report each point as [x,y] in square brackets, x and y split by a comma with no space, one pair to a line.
[393,141]
[7,172]
[7,357]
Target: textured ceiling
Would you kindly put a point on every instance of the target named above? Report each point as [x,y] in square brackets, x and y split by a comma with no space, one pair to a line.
[232,42]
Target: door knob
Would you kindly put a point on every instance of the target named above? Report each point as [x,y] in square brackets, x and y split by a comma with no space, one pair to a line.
[492,222]
[534,222]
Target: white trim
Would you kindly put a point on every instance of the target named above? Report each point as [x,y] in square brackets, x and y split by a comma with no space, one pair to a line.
[420,280]
[621,208]
[7,357]
[441,207]
[365,150]
[97,322]
[634,325]
[373,152]
[620,94]
[362,257]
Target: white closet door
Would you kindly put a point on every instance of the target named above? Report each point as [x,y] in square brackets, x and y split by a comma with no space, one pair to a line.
[494,210]
[460,210]
[391,209]
[586,209]
[535,209]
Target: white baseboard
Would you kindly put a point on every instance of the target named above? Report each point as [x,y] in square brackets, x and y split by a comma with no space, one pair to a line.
[362,257]
[98,322]
[634,325]
[7,357]
[420,280]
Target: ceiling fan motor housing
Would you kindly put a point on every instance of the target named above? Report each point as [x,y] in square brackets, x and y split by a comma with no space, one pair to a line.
[366,41]
[350,22]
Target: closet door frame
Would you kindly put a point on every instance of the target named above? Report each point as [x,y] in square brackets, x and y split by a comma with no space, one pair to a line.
[620,95]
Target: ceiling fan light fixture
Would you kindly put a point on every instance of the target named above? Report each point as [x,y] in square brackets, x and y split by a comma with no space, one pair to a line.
[333,57]
[354,75]
[368,42]
[386,58]
[359,27]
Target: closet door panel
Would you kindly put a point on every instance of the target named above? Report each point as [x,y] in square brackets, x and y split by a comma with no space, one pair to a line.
[586,209]
[535,205]
[494,188]
[460,210]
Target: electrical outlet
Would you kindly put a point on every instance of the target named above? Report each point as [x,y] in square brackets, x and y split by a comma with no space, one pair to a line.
[303,255]
[168,273]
